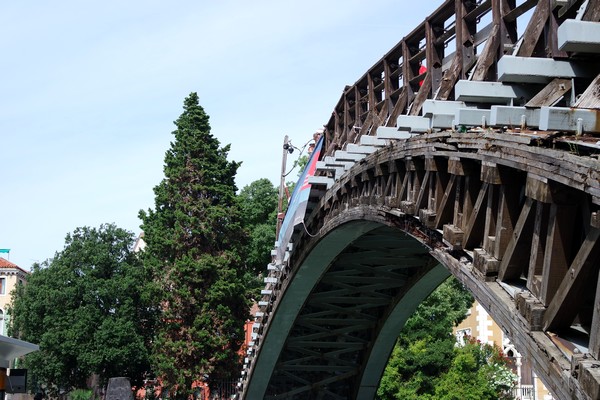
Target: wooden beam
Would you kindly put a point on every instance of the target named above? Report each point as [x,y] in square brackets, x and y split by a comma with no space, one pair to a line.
[378,120]
[518,249]
[508,29]
[534,29]
[594,345]
[592,13]
[434,55]
[443,212]
[507,218]
[551,93]
[538,248]
[407,73]
[563,307]
[591,97]
[474,227]
[439,183]
[398,108]
[449,78]
[558,247]
[552,49]
[491,213]
[465,50]
[423,190]
[424,90]
[488,55]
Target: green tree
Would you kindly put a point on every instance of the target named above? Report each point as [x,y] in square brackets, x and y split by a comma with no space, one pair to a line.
[425,347]
[90,309]
[258,203]
[194,240]
[479,371]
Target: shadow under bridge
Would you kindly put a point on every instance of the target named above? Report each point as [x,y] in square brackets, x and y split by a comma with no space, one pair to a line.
[336,316]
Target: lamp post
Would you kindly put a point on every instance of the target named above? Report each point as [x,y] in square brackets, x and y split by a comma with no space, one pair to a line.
[280,214]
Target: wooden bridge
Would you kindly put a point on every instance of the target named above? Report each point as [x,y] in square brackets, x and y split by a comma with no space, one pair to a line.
[471,148]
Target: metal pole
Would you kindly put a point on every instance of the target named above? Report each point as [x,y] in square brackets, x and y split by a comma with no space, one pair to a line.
[280,213]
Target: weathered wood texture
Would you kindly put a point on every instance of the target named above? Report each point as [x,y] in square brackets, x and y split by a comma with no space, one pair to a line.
[396,85]
[514,224]
[513,213]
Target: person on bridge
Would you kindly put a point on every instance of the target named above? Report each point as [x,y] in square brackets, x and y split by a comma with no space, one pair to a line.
[422,70]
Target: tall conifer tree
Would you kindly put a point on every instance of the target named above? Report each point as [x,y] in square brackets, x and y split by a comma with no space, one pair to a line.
[194,241]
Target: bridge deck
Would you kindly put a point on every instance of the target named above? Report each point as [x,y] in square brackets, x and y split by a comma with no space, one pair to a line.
[487,163]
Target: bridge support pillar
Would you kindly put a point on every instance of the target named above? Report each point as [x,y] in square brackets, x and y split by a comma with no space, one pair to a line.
[530,308]
[453,236]
[485,264]
[587,372]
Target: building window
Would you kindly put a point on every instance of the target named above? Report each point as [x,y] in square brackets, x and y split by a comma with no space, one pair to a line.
[2,285]
[461,335]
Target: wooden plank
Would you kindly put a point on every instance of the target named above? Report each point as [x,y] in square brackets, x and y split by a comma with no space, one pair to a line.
[538,248]
[449,78]
[534,29]
[458,202]
[558,247]
[591,96]
[474,227]
[424,188]
[491,212]
[432,54]
[508,29]
[407,74]
[594,345]
[519,247]
[379,120]
[398,108]
[592,13]
[538,188]
[520,10]
[507,217]
[563,307]
[552,49]
[465,50]
[422,95]
[488,55]
[442,179]
[551,93]
[469,199]
[443,212]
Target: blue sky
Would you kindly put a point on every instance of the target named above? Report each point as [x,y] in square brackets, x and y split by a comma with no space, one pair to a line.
[89,92]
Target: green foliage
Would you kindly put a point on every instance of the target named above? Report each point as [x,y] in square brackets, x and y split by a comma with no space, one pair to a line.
[478,372]
[90,309]
[258,203]
[81,394]
[194,241]
[426,363]
[425,347]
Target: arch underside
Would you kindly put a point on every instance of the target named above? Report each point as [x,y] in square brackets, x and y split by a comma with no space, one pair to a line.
[392,228]
[343,335]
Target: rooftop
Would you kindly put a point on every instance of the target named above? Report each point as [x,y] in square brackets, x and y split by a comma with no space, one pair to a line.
[5,264]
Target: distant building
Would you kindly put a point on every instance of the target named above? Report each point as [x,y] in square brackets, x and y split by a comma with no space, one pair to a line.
[139,244]
[11,275]
[479,325]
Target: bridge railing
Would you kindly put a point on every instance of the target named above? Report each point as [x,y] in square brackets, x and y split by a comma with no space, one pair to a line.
[462,39]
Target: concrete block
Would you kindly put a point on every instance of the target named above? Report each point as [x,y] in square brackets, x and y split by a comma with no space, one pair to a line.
[485,92]
[514,116]
[579,36]
[539,70]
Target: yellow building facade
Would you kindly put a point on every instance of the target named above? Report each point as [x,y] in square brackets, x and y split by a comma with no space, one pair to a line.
[479,325]
[11,275]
